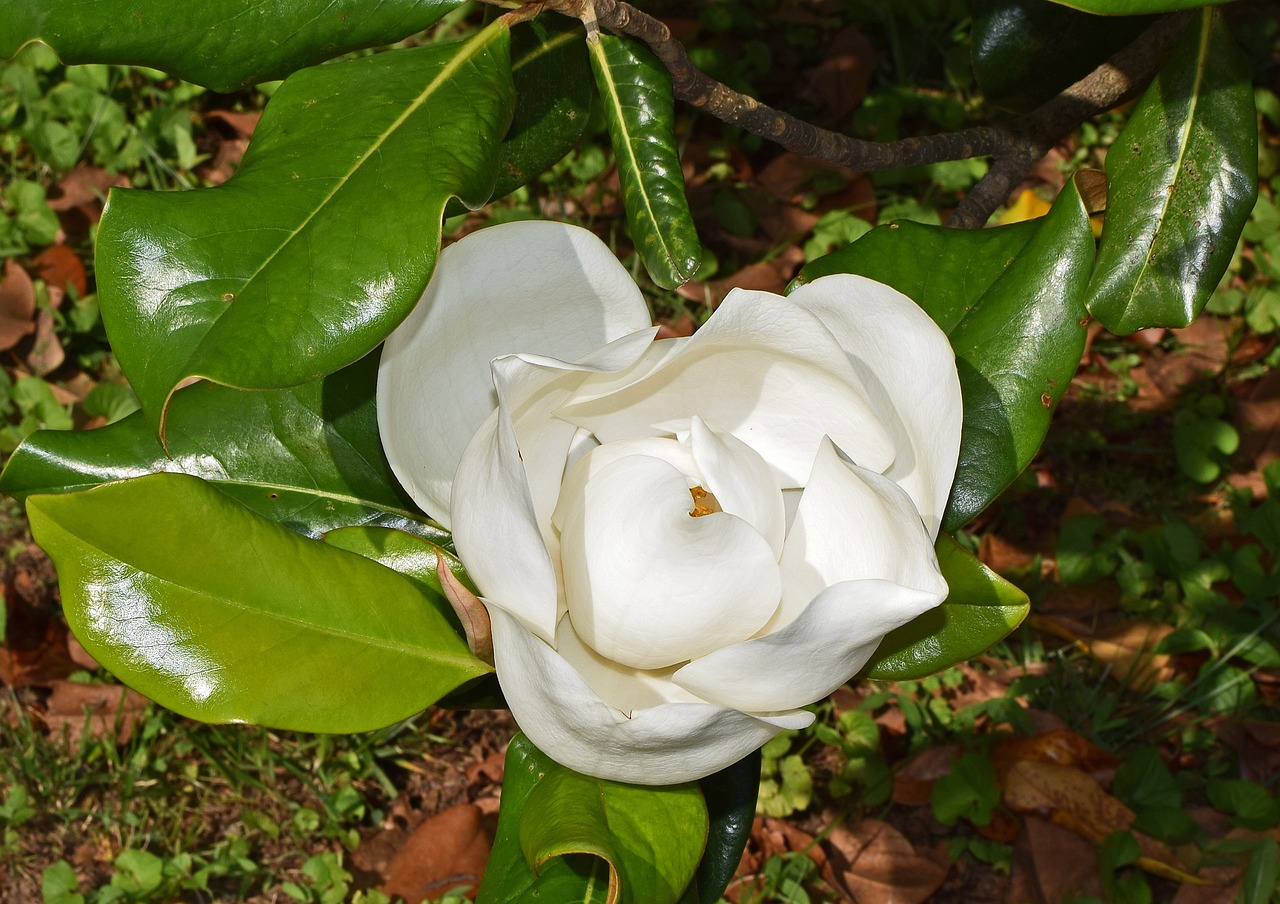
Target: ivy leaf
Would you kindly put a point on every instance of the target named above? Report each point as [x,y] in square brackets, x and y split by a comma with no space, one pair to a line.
[1011,299]
[325,237]
[640,111]
[307,457]
[981,609]
[262,626]
[1183,180]
[221,44]
[563,836]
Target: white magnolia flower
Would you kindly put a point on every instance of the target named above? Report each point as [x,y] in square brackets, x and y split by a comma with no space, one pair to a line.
[680,542]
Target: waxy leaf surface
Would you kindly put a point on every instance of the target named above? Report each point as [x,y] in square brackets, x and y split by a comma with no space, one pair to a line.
[731,797]
[325,237]
[221,44]
[225,616]
[1011,299]
[307,457]
[981,609]
[1183,178]
[640,112]
[566,837]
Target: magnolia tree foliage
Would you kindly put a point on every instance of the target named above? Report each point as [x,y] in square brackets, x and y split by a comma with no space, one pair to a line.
[243,548]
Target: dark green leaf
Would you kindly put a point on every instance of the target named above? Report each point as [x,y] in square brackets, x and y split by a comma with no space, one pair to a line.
[308,457]
[1134,7]
[222,44]
[1011,299]
[223,615]
[1026,51]
[325,237]
[640,112]
[981,609]
[1183,178]
[731,797]
[565,837]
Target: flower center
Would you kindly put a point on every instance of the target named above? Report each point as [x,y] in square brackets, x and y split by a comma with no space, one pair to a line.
[703,503]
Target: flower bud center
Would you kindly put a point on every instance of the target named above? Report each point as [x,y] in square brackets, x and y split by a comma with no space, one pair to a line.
[703,503]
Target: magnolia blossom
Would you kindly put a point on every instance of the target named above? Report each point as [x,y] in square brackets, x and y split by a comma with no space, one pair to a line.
[679,542]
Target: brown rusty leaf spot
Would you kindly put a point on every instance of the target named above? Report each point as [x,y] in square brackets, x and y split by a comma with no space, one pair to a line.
[17,305]
[448,850]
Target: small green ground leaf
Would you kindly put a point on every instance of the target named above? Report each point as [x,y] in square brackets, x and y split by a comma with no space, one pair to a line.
[1011,299]
[325,237]
[565,837]
[640,112]
[307,457]
[1183,179]
[981,609]
[1134,7]
[1027,51]
[221,44]
[225,616]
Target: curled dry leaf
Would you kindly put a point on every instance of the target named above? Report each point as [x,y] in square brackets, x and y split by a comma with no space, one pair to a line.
[876,864]
[449,850]
[17,305]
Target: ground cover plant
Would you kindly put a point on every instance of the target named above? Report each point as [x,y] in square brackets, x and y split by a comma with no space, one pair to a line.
[918,785]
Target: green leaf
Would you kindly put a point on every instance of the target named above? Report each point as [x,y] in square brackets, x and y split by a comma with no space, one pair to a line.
[1134,7]
[566,837]
[640,112]
[1261,873]
[223,615]
[221,44]
[308,457]
[1025,52]
[1011,299]
[980,609]
[1183,177]
[969,791]
[58,884]
[325,237]
[731,805]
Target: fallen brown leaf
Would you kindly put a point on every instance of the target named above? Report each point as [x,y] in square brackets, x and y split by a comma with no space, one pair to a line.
[449,850]
[878,865]
[913,784]
[1052,864]
[103,710]
[1064,747]
[17,305]
[60,267]
[839,83]
[46,353]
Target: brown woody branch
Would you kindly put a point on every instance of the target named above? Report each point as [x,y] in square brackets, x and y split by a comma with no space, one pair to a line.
[1014,146]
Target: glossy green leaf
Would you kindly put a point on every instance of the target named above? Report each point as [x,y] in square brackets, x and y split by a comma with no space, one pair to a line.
[1027,51]
[564,837]
[1183,179]
[325,237]
[222,44]
[225,616]
[1135,7]
[640,112]
[308,457]
[1011,299]
[553,98]
[731,797]
[981,609]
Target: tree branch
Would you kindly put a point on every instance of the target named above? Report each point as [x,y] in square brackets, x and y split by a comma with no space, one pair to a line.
[1015,146]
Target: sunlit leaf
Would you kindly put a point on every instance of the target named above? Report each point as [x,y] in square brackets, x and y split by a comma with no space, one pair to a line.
[981,609]
[1183,178]
[225,616]
[1135,7]
[325,237]
[640,111]
[221,44]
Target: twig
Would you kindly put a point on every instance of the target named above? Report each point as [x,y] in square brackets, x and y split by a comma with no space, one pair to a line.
[1015,146]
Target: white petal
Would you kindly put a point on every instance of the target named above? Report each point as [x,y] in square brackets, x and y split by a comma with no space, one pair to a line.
[909,371]
[851,525]
[741,481]
[537,287]
[647,584]
[815,654]
[659,745]
[763,369]
[501,526]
